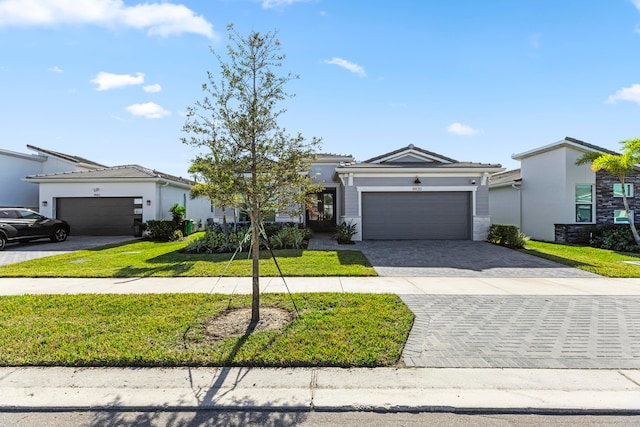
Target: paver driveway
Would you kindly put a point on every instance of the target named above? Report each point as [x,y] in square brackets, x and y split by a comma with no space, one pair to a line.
[451,258]
[490,331]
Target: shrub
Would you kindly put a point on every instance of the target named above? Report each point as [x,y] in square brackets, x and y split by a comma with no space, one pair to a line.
[177,213]
[215,241]
[613,237]
[507,235]
[344,233]
[163,230]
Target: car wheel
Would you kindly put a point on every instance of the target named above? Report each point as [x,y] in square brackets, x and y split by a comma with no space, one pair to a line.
[59,234]
[3,242]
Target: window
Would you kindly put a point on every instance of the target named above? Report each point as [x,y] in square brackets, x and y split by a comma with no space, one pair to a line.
[621,217]
[584,203]
[617,190]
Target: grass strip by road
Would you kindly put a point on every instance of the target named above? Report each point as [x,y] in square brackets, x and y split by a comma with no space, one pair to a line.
[599,261]
[344,330]
[164,259]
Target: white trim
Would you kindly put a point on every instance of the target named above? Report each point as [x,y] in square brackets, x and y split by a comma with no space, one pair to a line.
[417,189]
[423,172]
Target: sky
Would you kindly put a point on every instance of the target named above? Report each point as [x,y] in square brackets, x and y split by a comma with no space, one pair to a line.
[479,81]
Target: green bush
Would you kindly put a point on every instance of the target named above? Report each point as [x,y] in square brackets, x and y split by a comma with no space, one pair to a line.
[215,240]
[344,232]
[507,235]
[163,230]
[613,237]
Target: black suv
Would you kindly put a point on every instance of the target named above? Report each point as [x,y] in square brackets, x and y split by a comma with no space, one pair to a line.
[22,225]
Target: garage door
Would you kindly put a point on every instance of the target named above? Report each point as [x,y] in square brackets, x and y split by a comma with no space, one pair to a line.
[426,215]
[98,216]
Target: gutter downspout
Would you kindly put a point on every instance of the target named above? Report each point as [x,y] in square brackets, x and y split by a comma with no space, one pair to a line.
[517,187]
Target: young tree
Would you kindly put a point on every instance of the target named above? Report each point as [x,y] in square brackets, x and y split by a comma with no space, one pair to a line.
[250,160]
[618,166]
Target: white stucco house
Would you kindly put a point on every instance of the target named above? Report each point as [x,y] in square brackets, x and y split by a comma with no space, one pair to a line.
[93,198]
[550,198]
[15,166]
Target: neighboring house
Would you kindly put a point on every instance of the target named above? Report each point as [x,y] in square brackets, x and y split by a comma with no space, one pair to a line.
[93,198]
[551,199]
[15,166]
[107,201]
[409,193]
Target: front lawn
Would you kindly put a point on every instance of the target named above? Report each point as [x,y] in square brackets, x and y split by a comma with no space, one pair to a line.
[157,259]
[599,261]
[147,330]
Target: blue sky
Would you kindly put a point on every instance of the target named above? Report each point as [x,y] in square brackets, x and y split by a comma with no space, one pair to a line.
[110,80]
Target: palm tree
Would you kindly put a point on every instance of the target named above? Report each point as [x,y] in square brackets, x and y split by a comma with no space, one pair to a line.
[618,165]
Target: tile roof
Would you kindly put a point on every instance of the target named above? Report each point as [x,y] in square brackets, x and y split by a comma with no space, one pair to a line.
[505,177]
[115,172]
[74,159]
[410,147]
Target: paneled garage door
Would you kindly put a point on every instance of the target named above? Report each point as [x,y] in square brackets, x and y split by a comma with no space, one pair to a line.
[97,216]
[425,215]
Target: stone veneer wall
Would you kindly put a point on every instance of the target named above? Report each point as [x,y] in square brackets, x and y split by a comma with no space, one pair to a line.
[569,233]
[606,203]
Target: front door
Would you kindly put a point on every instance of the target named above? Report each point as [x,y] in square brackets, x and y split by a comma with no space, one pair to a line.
[321,213]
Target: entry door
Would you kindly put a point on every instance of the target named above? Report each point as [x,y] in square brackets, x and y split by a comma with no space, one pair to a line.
[321,214]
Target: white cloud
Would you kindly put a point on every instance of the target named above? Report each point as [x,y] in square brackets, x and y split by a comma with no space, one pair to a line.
[55,69]
[150,110]
[152,88]
[106,81]
[162,19]
[626,94]
[636,3]
[350,66]
[272,4]
[460,129]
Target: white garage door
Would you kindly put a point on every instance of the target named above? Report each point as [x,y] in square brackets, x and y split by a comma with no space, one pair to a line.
[98,216]
[419,215]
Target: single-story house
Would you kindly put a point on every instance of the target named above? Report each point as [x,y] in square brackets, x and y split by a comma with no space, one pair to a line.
[93,198]
[107,201]
[551,198]
[409,193]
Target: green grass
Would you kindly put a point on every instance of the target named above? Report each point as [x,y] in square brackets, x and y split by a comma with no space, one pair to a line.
[599,261]
[346,330]
[154,259]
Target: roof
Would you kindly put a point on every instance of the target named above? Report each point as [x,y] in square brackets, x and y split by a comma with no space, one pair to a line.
[506,177]
[73,159]
[566,142]
[126,172]
[407,150]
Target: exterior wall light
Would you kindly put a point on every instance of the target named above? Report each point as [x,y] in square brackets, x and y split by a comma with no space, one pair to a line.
[45,203]
[148,202]
[417,181]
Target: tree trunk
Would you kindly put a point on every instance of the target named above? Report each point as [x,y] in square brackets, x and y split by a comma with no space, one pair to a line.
[255,257]
[632,222]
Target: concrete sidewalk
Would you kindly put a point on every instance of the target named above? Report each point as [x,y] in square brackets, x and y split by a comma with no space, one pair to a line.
[322,389]
[398,285]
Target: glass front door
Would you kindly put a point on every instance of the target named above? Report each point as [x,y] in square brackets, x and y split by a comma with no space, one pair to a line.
[321,212]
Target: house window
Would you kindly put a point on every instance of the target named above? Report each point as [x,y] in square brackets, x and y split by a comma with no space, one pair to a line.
[621,217]
[617,190]
[584,203]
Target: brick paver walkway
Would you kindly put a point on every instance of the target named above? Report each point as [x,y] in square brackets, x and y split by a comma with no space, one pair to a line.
[601,332]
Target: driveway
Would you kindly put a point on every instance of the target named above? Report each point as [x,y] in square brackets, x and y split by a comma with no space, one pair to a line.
[18,252]
[450,258]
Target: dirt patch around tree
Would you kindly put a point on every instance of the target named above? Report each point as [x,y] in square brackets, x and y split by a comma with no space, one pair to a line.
[235,322]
